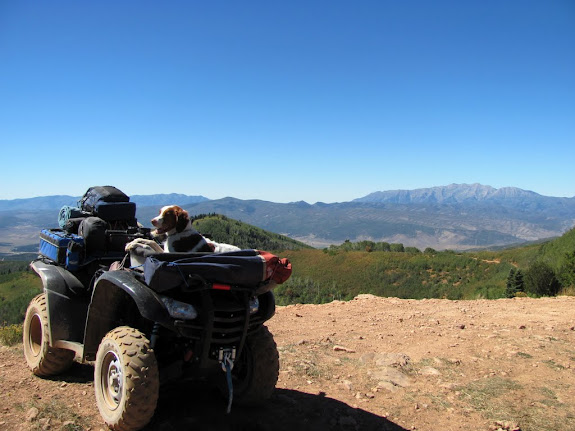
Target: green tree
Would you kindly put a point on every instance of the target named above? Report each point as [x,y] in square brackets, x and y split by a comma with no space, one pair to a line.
[567,271]
[383,246]
[518,281]
[540,279]
[412,250]
[510,289]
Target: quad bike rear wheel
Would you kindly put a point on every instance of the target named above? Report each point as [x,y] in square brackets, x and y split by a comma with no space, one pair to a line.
[256,371]
[126,379]
[43,359]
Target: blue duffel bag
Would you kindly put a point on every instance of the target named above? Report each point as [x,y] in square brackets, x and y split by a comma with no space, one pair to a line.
[63,248]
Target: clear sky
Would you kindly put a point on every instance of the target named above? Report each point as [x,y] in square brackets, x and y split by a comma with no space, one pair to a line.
[315,100]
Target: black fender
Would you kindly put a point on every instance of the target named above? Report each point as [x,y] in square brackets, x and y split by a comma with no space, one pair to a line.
[67,299]
[120,299]
[267,305]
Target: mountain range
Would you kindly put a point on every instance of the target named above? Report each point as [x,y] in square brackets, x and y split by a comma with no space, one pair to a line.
[58,201]
[454,193]
[457,216]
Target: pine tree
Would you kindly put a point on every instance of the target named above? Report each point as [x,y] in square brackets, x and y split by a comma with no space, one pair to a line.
[510,289]
[518,281]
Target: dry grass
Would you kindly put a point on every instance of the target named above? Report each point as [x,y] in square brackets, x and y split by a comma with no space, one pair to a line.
[496,399]
[488,395]
[10,335]
[53,415]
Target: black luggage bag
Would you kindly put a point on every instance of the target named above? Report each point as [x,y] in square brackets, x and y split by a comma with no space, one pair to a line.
[109,204]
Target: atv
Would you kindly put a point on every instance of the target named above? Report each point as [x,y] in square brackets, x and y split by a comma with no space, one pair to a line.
[179,315]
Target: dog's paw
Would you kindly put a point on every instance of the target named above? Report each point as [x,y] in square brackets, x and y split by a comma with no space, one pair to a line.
[143,246]
[132,245]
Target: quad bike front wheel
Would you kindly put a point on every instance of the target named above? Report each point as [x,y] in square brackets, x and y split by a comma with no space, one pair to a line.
[126,379]
[256,371]
[43,359]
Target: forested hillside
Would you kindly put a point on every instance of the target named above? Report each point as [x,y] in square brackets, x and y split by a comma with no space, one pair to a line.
[18,284]
[557,252]
[223,229]
[385,269]
[322,276]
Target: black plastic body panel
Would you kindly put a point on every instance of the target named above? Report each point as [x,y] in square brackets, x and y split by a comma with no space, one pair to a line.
[81,315]
[120,299]
[68,300]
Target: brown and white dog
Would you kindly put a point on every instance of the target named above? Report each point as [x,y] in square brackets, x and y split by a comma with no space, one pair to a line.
[174,222]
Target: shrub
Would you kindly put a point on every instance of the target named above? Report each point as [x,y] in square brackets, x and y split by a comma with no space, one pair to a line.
[10,335]
[540,279]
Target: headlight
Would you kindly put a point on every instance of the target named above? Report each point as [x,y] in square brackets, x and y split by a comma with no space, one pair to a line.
[179,310]
[254,305]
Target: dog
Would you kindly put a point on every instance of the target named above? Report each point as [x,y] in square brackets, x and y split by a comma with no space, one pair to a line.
[174,223]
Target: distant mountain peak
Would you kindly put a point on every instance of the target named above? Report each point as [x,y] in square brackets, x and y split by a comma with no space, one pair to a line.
[452,193]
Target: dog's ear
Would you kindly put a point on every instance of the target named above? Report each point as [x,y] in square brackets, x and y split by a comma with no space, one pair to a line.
[182,219]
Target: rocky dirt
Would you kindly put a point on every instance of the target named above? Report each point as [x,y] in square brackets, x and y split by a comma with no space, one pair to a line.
[368,364]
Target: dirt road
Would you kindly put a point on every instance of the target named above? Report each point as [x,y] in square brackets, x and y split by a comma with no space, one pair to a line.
[368,364]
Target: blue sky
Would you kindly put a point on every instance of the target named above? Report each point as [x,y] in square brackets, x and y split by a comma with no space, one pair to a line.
[286,100]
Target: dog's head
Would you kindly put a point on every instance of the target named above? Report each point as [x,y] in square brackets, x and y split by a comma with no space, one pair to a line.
[171,217]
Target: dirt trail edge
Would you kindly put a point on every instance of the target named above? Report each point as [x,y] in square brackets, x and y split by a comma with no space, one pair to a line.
[367,364]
